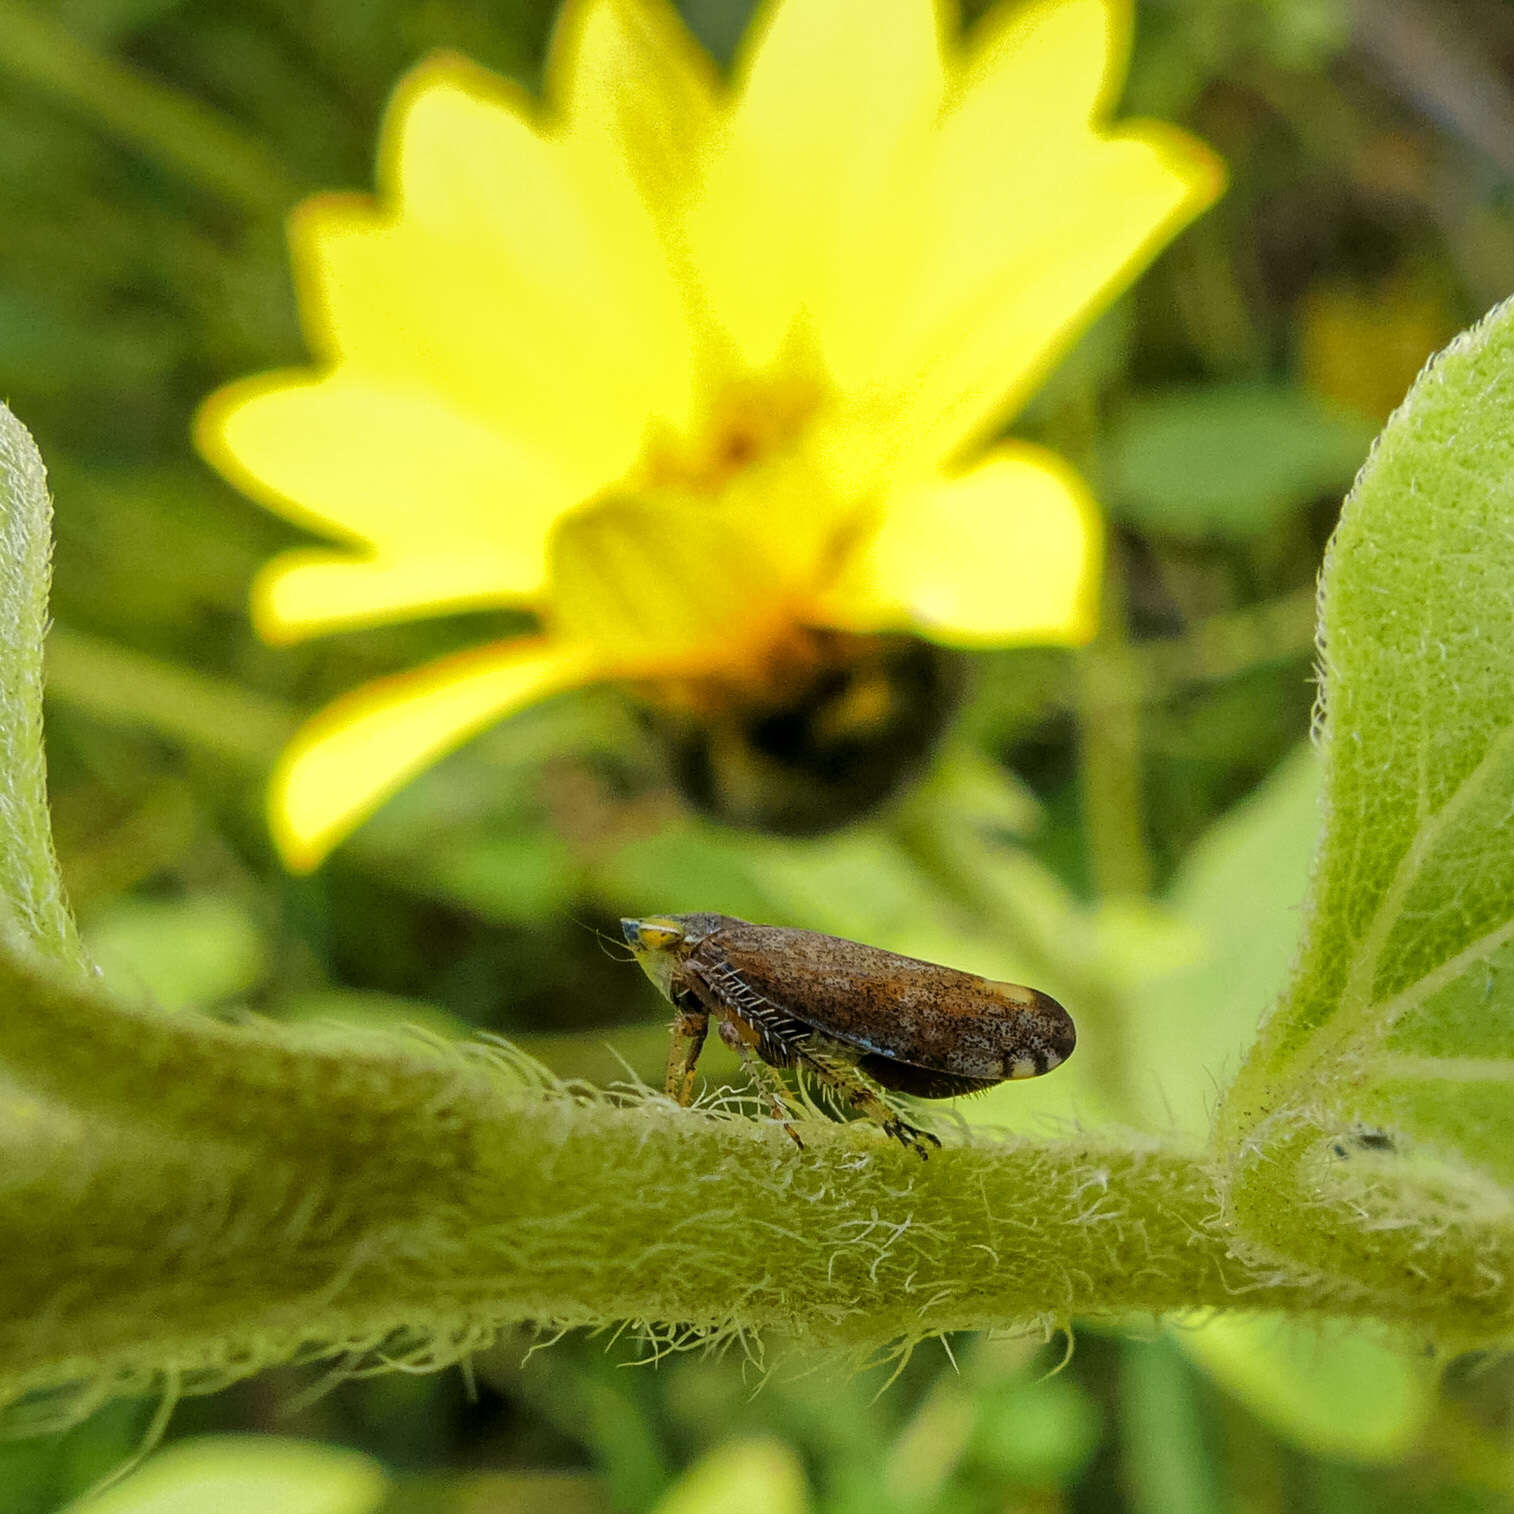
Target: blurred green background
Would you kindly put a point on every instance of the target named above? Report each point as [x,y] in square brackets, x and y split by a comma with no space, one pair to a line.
[148,152]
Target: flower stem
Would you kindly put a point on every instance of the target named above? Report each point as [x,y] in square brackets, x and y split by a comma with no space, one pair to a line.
[166,126]
[1111,766]
[128,687]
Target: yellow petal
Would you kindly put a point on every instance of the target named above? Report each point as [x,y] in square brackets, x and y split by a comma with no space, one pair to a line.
[1024,257]
[355,753]
[398,472]
[1007,552]
[680,587]
[1036,76]
[637,85]
[537,268]
[1035,70]
[392,301]
[311,592]
[833,97]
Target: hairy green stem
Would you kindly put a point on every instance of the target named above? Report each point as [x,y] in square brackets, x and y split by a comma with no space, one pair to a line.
[187,1201]
[188,1198]
[1301,1195]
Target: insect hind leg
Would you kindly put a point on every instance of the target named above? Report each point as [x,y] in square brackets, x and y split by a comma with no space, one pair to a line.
[764,1077]
[839,1074]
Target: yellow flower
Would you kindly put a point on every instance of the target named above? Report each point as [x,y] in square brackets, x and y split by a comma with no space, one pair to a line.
[689,370]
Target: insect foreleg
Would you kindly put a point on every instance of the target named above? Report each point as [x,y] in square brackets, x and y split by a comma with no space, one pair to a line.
[689,1028]
[833,1069]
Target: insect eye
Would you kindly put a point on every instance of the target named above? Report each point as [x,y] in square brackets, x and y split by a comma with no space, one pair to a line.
[651,935]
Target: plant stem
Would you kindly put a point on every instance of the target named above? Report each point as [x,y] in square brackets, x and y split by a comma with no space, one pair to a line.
[127,687]
[277,1194]
[186,1201]
[1109,700]
[167,127]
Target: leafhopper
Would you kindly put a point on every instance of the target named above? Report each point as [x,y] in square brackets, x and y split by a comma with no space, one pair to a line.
[855,1019]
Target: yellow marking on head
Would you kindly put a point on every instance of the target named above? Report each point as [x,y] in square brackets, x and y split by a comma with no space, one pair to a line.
[657,933]
[653,943]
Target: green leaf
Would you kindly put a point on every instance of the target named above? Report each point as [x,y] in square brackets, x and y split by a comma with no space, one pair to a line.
[1194,974]
[1229,460]
[1379,1099]
[189,953]
[31,892]
[1238,892]
[1169,1469]
[740,1475]
[1038,1432]
[1334,1390]
[246,1474]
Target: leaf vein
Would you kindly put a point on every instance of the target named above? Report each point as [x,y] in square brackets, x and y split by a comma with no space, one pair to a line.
[1358,1013]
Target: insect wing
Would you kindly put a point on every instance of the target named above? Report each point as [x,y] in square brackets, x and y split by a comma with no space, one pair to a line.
[719,985]
[898,1009]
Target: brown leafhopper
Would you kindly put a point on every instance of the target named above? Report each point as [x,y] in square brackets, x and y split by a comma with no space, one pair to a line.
[855,1018]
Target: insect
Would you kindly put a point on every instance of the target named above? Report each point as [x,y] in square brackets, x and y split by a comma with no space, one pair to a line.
[856,1019]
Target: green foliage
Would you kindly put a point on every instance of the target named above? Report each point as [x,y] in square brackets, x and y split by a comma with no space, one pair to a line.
[1420,691]
[1237,893]
[1340,1392]
[1031,1434]
[186,1199]
[246,1474]
[1228,460]
[986,1232]
[1372,1123]
[177,953]
[422,1187]
[737,1477]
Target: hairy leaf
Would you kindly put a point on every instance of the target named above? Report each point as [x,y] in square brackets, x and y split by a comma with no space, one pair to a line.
[1380,1096]
[30,891]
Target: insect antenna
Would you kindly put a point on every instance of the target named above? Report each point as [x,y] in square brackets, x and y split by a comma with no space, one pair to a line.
[616,951]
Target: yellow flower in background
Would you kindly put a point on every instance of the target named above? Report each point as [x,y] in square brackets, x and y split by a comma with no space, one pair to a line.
[691,370]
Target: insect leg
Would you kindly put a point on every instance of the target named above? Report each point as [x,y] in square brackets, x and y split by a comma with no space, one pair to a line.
[764,1077]
[689,1027]
[846,1081]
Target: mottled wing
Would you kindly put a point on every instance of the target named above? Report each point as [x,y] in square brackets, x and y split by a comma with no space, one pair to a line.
[898,1010]
[717,982]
